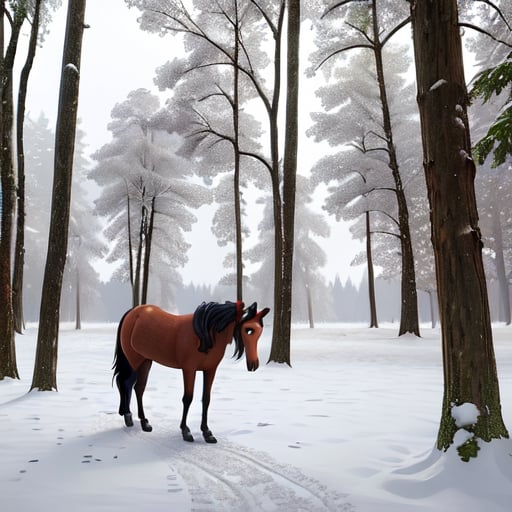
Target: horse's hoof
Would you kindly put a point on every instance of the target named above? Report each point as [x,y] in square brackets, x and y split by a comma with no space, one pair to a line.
[209,437]
[187,436]
[128,421]
[146,427]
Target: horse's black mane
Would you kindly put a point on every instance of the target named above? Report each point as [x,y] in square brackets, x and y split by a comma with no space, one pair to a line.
[213,317]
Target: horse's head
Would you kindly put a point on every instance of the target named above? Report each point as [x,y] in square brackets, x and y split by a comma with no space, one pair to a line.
[248,333]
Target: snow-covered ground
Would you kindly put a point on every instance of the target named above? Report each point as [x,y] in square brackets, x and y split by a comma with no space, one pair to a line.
[351,427]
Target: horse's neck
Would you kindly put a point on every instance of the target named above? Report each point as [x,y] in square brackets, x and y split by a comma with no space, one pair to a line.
[225,337]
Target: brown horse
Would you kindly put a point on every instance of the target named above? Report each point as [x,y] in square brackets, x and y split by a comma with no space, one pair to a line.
[188,342]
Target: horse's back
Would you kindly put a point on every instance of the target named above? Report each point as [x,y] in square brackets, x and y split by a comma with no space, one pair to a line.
[149,332]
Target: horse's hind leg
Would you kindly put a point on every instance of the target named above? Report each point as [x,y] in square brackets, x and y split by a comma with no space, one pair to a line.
[140,386]
[125,384]
[189,377]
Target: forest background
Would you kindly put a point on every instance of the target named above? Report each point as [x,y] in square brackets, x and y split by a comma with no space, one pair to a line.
[108,78]
[228,137]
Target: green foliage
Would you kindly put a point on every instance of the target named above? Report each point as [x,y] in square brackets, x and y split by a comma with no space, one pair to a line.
[499,137]
[469,449]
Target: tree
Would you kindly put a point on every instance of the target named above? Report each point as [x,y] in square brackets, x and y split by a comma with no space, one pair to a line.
[470,375]
[280,349]
[146,195]
[361,186]
[19,252]
[309,257]
[39,159]
[494,191]
[266,83]
[492,48]
[218,50]
[45,368]
[8,367]
[214,148]
[372,30]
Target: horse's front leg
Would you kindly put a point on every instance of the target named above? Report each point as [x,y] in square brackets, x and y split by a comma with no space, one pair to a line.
[189,377]
[208,376]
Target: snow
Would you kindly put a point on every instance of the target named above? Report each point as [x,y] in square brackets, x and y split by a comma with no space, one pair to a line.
[465,414]
[72,67]
[438,84]
[459,123]
[350,427]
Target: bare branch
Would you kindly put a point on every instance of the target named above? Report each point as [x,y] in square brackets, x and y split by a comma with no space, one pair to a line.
[497,9]
[333,54]
[339,4]
[482,31]
[395,30]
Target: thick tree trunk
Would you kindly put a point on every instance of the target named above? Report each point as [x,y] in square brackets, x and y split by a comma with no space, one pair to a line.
[8,366]
[468,356]
[371,276]
[45,369]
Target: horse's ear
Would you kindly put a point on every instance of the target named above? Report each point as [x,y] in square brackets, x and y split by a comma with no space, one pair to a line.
[264,312]
[250,312]
[261,314]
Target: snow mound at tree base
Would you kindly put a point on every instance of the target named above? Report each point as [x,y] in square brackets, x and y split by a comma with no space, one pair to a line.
[483,483]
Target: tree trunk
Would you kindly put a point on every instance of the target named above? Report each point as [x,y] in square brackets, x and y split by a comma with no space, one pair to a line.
[45,369]
[138,261]
[236,181]
[130,246]
[281,353]
[468,355]
[19,251]
[409,322]
[279,346]
[8,366]
[310,307]
[371,276]
[147,253]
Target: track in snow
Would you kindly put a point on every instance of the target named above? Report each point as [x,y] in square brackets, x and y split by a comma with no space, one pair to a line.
[229,478]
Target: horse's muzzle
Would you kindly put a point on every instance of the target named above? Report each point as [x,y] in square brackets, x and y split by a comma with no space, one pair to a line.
[252,366]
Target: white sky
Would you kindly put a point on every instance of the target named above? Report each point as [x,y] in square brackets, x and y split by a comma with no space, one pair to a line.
[117,57]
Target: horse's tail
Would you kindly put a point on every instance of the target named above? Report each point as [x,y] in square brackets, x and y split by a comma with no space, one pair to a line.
[121,366]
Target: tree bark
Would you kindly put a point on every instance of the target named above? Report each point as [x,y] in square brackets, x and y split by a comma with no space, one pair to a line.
[371,276]
[8,366]
[138,260]
[468,355]
[45,369]
[236,180]
[148,239]
[280,346]
[281,353]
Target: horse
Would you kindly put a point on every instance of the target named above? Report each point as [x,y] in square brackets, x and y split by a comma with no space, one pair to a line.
[192,342]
